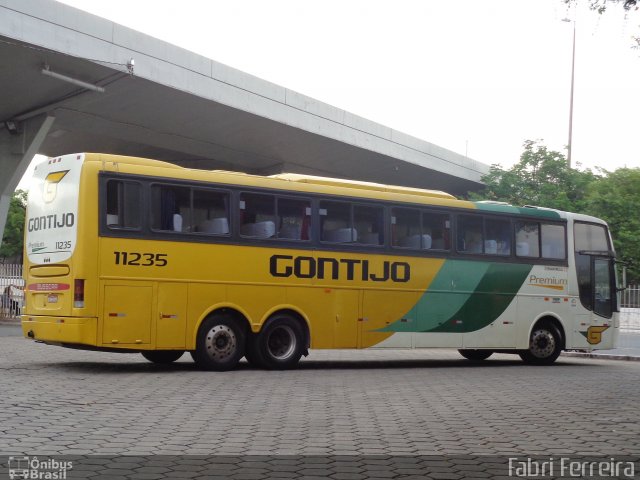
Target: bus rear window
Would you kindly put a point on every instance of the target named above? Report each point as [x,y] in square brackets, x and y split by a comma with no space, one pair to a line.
[123,204]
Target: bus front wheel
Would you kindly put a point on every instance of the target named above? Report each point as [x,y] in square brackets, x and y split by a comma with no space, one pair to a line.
[279,345]
[545,345]
[162,356]
[220,343]
[475,355]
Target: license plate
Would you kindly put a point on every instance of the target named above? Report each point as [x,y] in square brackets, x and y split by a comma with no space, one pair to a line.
[52,299]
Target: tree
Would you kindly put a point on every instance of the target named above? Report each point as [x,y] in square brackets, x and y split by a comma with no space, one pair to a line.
[12,240]
[541,178]
[601,6]
[616,199]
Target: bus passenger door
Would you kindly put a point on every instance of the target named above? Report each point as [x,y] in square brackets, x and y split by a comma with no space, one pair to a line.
[171,321]
[596,283]
[600,334]
[127,314]
[603,287]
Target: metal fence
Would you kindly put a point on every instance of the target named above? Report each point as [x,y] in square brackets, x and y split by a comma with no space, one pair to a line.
[630,297]
[11,291]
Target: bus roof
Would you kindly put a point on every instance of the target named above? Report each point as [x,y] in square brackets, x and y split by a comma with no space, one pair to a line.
[302,182]
[378,187]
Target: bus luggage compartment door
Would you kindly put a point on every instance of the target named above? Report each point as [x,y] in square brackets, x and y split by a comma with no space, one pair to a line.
[172,315]
[127,314]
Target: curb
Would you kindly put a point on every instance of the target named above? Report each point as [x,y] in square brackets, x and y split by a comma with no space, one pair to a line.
[10,322]
[601,356]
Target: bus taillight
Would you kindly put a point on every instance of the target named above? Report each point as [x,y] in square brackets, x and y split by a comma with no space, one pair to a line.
[78,293]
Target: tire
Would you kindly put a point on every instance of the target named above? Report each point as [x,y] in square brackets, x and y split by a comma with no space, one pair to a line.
[252,353]
[545,345]
[220,343]
[162,356]
[475,355]
[279,345]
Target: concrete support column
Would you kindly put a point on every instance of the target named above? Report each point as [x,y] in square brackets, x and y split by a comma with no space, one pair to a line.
[17,149]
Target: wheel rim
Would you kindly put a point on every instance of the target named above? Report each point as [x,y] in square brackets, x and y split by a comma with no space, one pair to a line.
[282,342]
[221,342]
[543,344]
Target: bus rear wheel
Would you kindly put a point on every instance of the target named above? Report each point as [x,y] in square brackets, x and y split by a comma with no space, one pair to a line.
[545,345]
[162,356]
[220,343]
[279,345]
[252,353]
[475,355]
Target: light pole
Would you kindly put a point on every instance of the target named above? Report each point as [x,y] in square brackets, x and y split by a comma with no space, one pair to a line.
[573,71]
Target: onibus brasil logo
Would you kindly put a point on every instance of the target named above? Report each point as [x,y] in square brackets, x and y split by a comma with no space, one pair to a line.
[24,467]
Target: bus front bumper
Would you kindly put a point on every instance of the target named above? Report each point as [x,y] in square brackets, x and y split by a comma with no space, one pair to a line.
[72,330]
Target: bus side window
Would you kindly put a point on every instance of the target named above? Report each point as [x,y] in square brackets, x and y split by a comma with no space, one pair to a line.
[553,243]
[470,237]
[527,239]
[335,223]
[436,231]
[171,208]
[498,237]
[294,219]
[257,215]
[369,223]
[211,212]
[406,231]
[124,200]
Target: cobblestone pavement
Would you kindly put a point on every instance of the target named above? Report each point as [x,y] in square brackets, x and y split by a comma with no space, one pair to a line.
[357,408]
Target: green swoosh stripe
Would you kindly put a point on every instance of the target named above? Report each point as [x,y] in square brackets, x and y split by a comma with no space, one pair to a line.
[530,212]
[494,294]
[440,302]
[465,296]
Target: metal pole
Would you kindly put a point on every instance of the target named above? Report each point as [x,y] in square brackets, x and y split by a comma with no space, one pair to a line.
[573,70]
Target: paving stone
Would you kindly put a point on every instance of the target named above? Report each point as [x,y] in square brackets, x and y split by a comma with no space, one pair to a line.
[345,408]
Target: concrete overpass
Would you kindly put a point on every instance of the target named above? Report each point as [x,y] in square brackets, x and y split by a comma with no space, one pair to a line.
[72,82]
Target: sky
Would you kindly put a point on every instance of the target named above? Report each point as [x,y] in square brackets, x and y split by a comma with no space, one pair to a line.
[476,77]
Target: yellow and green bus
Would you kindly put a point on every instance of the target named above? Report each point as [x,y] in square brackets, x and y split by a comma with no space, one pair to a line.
[136,255]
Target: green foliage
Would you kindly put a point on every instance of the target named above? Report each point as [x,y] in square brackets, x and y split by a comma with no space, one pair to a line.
[541,178]
[600,6]
[616,199]
[12,240]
